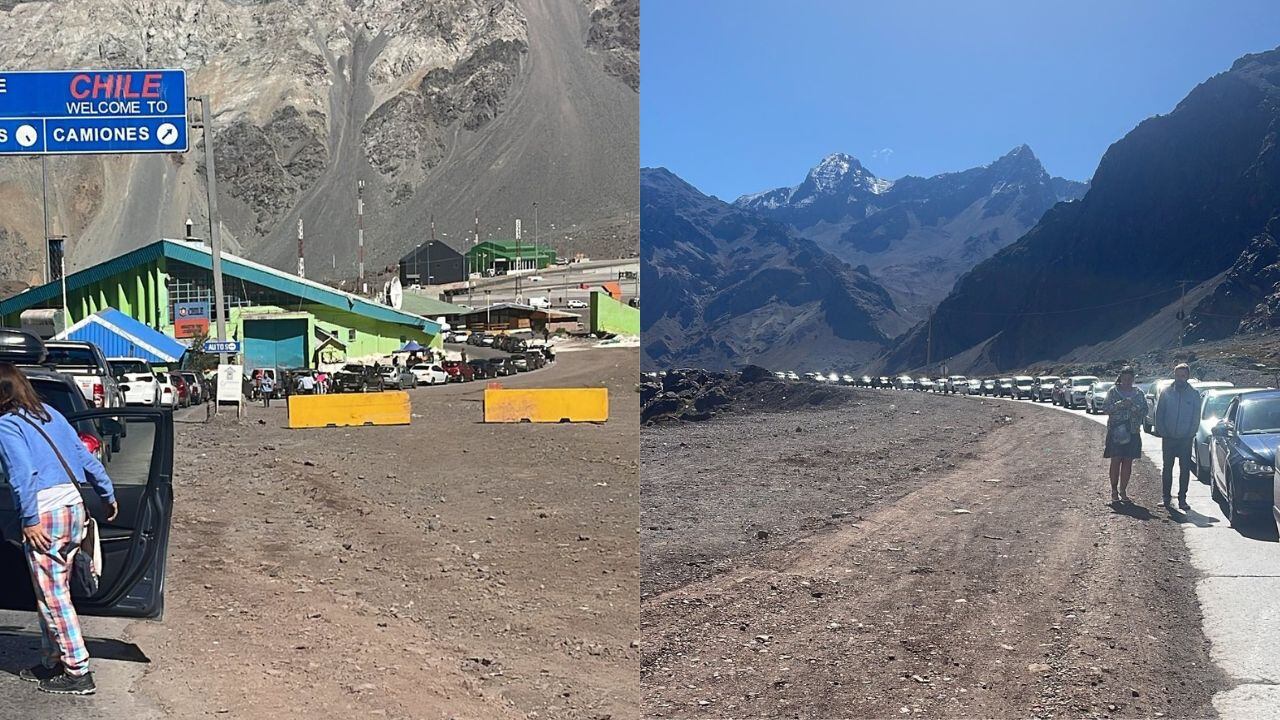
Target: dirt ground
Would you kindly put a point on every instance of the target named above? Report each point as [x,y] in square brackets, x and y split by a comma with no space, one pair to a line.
[993,582]
[448,569]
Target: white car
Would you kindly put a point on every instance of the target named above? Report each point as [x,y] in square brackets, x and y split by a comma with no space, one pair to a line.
[535,278]
[431,374]
[577,304]
[137,381]
[542,303]
[168,393]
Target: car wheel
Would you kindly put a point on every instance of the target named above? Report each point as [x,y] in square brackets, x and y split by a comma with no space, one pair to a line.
[1233,508]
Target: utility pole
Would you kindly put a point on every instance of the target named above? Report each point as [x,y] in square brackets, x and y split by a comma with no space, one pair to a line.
[535,234]
[360,234]
[1182,312]
[431,246]
[519,261]
[928,353]
[44,192]
[478,235]
[215,229]
[302,268]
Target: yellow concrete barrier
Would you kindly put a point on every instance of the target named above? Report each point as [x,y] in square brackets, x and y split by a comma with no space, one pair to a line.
[346,409]
[546,405]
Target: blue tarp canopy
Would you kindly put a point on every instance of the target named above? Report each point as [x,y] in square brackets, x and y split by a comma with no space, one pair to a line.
[411,346]
[121,336]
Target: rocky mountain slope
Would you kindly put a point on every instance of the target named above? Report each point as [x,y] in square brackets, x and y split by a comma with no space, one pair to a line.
[443,108]
[917,235]
[725,287]
[1179,198]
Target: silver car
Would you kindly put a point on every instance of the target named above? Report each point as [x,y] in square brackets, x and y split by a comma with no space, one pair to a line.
[1213,404]
[1096,395]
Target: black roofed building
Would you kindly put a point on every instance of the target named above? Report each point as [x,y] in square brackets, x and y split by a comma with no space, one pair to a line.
[432,263]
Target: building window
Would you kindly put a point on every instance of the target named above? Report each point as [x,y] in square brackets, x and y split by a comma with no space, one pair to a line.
[351,335]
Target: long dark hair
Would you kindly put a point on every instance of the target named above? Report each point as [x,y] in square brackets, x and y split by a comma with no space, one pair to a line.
[17,394]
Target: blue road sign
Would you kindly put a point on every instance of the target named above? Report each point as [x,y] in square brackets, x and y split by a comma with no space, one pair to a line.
[93,112]
[231,347]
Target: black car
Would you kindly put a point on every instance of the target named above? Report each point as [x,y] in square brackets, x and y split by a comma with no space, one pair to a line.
[480,369]
[501,367]
[1242,452]
[354,377]
[535,359]
[135,543]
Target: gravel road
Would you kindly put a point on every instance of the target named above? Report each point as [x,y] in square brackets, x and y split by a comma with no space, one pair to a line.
[994,583]
[447,569]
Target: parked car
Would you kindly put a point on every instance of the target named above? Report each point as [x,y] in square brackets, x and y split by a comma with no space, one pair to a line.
[988,387]
[480,369]
[181,389]
[1024,387]
[1074,389]
[957,384]
[457,336]
[1004,387]
[905,382]
[168,393]
[1242,455]
[537,361]
[429,374]
[576,304]
[1043,391]
[541,302]
[136,380]
[975,386]
[1213,404]
[397,377]
[1203,385]
[135,542]
[458,371]
[195,386]
[501,367]
[86,364]
[354,377]
[1096,396]
[1153,390]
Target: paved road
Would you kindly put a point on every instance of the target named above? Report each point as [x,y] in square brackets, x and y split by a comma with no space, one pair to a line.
[117,663]
[1239,580]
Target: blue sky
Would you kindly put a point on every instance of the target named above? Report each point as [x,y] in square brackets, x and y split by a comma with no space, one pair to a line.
[743,95]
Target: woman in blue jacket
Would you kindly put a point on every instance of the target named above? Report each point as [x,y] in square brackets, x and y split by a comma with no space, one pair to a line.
[46,462]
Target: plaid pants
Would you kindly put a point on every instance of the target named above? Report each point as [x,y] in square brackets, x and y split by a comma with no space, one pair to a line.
[60,638]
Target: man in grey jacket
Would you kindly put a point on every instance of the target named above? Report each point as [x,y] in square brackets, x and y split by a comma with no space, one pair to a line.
[1176,419]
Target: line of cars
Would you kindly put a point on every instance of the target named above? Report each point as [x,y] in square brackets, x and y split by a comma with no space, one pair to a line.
[1234,450]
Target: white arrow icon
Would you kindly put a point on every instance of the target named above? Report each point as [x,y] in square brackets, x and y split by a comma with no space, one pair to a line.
[27,135]
[167,134]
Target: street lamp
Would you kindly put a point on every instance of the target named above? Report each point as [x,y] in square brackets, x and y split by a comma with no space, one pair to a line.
[488,309]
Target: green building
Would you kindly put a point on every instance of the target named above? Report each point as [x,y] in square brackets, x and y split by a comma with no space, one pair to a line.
[281,320]
[505,255]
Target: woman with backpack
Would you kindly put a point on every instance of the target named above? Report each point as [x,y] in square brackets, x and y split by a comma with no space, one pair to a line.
[46,462]
[1126,407]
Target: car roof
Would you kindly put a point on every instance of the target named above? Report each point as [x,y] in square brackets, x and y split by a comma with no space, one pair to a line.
[1219,392]
[44,374]
[1260,395]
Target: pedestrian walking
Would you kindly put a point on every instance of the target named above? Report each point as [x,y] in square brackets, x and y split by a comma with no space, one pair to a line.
[1126,408]
[1177,417]
[267,387]
[45,461]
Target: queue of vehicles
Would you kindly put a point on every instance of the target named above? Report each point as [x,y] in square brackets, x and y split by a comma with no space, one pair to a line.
[1234,450]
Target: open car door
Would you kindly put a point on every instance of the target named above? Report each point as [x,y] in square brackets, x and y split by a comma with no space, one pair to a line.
[135,543]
